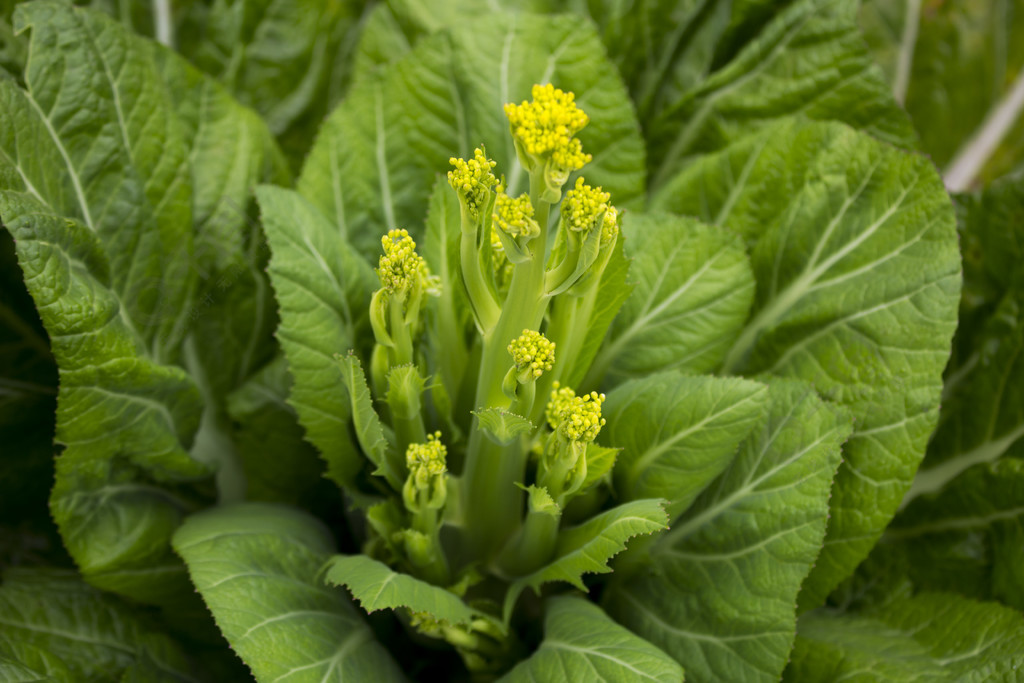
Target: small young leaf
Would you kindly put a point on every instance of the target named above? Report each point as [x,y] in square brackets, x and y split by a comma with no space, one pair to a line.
[369,431]
[586,549]
[501,426]
[600,461]
[582,644]
[256,567]
[376,586]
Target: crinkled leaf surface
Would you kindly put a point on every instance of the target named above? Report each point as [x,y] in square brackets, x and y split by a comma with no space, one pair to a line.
[230,150]
[678,432]
[983,416]
[693,289]
[720,591]
[56,625]
[953,65]
[97,141]
[712,74]
[98,166]
[122,417]
[287,60]
[854,251]
[256,566]
[968,537]
[376,586]
[581,644]
[587,548]
[930,637]
[322,290]
[379,153]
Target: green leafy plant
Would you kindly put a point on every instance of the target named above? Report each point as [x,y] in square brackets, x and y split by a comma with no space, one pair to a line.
[525,375]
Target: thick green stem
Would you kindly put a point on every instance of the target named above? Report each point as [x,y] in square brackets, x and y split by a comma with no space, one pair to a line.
[533,546]
[492,471]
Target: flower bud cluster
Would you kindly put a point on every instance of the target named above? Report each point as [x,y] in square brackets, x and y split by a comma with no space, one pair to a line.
[400,268]
[584,206]
[472,180]
[578,418]
[545,127]
[515,216]
[532,353]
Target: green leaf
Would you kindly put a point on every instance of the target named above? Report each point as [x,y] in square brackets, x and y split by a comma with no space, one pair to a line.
[123,418]
[322,288]
[256,567]
[501,426]
[376,587]
[983,415]
[21,662]
[280,466]
[858,280]
[720,592]
[378,154]
[952,66]
[368,428]
[587,548]
[582,644]
[287,60]
[746,71]
[230,151]
[56,625]
[600,461]
[119,166]
[678,433]
[692,293]
[930,637]
[967,538]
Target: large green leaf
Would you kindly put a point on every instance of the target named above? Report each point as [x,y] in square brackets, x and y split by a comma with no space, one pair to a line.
[230,150]
[54,624]
[376,586]
[678,432]
[256,566]
[718,72]
[968,538]
[122,418]
[692,293]
[581,644]
[379,153]
[287,60]
[855,256]
[587,548]
[118,165]
[957,68]
[322,290]
[99,163]
[930,637]
[720,591]
[983,414]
